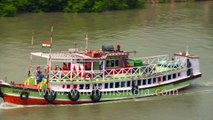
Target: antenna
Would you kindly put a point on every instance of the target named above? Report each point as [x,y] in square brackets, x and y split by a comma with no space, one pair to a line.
[32,43]
[75,47]
[86,39]
[51,36]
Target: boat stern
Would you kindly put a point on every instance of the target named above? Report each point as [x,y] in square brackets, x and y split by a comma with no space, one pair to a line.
[2,84]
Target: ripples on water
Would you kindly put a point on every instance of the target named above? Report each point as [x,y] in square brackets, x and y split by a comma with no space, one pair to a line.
[159,29]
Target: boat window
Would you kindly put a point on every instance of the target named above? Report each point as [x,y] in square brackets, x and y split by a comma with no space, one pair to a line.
[112,63]
[139,82]
[159,79]
[128,83]
[94,86]
[149,81]
[123,84]
[169,77]
[75,86]
[81,86]
[106,85]
[116,63]
[68,86]
[179,74]
[154,80]
[117,85]
[144,82]
[100,86]
[111,85]
[174,75]
[87,86]
[107,63]
[164,78]
[87,66]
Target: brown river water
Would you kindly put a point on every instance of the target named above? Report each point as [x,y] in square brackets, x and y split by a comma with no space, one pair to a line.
[158,29]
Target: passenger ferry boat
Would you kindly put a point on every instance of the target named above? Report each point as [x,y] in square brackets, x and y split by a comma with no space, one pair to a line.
[108,74]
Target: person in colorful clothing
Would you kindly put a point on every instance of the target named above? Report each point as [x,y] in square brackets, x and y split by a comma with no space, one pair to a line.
[39,77]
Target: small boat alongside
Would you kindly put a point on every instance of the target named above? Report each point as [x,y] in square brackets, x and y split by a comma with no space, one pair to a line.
[107,74]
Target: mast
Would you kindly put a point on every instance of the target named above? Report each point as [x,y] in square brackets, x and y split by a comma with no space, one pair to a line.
[31,57]
[187,50]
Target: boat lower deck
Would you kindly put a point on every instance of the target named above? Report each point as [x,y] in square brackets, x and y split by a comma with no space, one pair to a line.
[12,95]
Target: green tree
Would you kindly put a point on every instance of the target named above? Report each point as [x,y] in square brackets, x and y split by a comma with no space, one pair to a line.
[99,6]
[12,7]
[8,10]
[76,6]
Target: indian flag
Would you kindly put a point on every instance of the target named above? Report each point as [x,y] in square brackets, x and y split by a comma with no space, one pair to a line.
[46,44]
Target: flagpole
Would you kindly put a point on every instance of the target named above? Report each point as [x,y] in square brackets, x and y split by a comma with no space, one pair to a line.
[51,41]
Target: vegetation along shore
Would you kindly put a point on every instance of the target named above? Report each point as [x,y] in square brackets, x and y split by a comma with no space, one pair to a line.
[10,8]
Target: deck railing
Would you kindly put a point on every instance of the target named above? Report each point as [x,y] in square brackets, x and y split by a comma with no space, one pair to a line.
[152,66]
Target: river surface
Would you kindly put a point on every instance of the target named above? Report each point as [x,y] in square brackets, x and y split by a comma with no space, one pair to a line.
[158,29]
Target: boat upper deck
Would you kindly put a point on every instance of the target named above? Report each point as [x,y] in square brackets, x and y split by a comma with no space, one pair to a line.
[104,64]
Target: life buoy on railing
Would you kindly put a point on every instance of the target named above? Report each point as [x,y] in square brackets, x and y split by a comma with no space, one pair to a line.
[24,95]
[1,93]
[50,96]
[88,76]
[74,95]
[96,95]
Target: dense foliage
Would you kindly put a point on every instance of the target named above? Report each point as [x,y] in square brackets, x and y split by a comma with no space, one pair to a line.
[12,7]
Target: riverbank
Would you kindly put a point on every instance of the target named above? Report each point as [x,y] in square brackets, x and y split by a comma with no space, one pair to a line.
[171,1]
[10,8]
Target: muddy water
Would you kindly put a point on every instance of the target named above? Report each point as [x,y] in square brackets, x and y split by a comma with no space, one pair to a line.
[158,29]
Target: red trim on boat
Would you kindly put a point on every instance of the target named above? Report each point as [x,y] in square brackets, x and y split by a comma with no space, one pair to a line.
[32,101]
[184,55]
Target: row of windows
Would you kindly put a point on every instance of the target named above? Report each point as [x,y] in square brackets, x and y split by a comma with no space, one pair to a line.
[123,84]
[112,63]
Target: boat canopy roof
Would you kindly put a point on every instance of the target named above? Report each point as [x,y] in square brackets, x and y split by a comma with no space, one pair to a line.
[74,55]
[61,55]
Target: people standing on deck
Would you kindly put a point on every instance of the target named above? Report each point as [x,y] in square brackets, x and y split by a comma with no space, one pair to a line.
[189,69]
[39,77]
[65,66]
[64,70]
